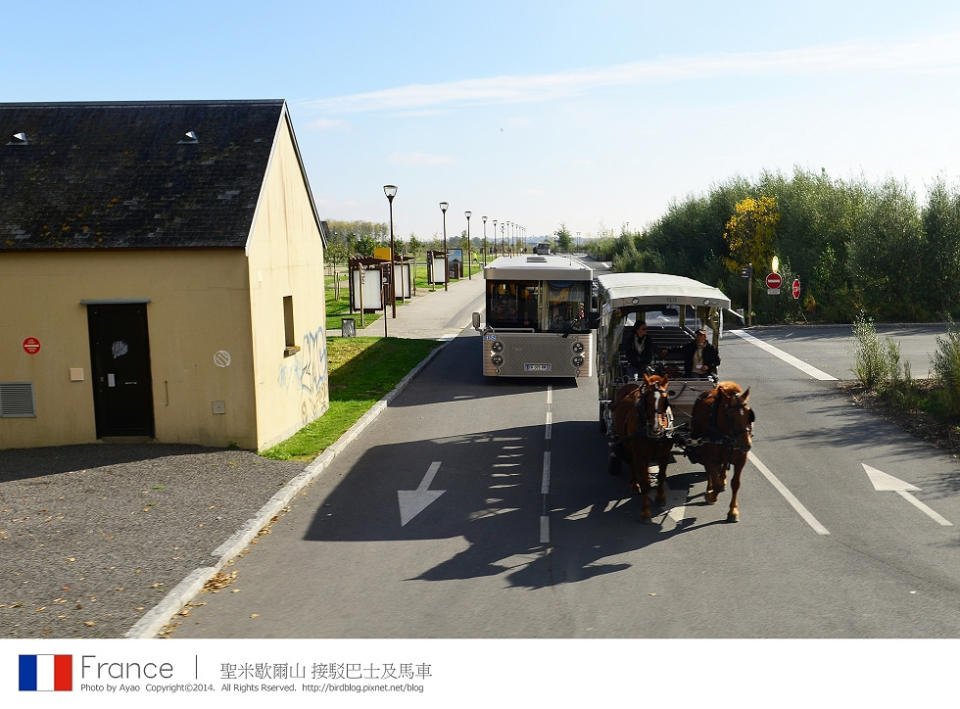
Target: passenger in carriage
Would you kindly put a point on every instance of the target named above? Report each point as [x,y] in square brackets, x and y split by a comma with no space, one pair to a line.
[700,358]
[638,348]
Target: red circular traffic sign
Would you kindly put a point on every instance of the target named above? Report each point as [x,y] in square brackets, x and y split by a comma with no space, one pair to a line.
[774,280]
[796,288]
[31,345]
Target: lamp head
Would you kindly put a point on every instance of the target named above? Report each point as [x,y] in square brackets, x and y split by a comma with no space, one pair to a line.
[467,214]
[390,191]
[443,206]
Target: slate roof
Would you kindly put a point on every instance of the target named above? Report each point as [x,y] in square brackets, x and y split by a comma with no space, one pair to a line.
[127,175]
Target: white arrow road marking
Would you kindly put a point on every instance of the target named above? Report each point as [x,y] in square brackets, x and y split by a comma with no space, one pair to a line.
[413,502]
[884,482]
[788,358]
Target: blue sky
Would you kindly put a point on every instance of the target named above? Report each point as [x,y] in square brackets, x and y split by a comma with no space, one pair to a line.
[538,113]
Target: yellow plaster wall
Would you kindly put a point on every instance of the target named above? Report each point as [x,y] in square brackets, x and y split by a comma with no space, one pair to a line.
[286,259]
[199,304]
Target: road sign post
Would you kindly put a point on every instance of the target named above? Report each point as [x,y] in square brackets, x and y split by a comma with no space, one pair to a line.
[748,274]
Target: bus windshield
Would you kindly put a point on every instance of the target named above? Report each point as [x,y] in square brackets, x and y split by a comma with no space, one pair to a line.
[544,306]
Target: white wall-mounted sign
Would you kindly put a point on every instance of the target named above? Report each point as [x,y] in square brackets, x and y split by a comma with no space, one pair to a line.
[222,358]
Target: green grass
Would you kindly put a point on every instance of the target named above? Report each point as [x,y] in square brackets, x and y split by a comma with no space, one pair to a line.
[362,370]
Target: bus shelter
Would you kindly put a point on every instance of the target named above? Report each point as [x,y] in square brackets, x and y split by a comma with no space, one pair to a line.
[368,278]
[437,271]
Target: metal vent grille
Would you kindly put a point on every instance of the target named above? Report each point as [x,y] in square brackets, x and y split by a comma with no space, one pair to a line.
[17,400]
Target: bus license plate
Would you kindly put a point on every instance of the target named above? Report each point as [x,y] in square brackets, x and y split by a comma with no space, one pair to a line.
[527,367]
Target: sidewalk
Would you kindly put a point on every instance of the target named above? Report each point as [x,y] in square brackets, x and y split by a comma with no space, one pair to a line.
[112,540]
[430,316]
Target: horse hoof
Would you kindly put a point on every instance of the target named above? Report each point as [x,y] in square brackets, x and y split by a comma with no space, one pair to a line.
[733,517]
[721,488]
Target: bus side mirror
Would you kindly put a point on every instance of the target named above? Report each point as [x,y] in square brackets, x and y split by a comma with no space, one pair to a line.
[476,322]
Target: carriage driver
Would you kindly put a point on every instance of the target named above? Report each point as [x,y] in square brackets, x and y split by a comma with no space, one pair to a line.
[700,358]
[638,348]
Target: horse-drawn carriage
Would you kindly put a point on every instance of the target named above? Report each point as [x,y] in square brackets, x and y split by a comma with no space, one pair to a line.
[669,404]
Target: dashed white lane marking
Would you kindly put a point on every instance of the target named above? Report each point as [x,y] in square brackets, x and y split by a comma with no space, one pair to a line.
[788,358]
[545,483]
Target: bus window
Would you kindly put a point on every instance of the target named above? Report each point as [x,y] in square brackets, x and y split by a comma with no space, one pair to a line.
[529,305]
[566,306]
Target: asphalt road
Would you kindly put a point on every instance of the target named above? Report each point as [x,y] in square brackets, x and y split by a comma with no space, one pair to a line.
[523,532]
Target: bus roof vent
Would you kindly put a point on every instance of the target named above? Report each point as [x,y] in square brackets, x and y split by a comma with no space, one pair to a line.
[536,259]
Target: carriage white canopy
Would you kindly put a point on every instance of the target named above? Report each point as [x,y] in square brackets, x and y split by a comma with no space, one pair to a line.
[631,289]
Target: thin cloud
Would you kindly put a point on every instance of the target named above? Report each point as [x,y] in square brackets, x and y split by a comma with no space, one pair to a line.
[326,123]
[940,54]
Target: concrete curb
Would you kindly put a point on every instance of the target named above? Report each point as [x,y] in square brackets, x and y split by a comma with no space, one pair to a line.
[161,614]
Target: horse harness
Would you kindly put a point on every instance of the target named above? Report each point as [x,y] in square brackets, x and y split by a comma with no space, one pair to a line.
[718,437]
[662,424]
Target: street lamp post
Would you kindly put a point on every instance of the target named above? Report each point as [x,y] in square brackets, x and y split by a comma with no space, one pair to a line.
[469,264]
[391,192]
[502,234]
[484,241]
[446,262]
[496,246]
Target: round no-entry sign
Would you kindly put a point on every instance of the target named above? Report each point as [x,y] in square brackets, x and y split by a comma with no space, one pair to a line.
[774,280]
[796,288]
[31,345]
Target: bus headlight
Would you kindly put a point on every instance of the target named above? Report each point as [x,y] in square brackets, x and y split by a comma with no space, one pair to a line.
[578,361]
[497,346]
[577,347]
[497,360]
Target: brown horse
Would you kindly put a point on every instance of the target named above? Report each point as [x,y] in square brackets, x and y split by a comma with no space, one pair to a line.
[722,426]
[642,426]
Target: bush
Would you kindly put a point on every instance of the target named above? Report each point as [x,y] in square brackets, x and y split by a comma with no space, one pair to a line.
[946,367]
[879,365]
[870,363]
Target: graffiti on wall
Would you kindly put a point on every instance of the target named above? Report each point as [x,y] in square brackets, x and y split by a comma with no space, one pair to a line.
[307,372]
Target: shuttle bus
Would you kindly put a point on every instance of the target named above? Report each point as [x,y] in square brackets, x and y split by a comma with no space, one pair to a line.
[539,311]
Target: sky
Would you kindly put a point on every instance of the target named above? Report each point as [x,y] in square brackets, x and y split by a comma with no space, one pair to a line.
[593,115]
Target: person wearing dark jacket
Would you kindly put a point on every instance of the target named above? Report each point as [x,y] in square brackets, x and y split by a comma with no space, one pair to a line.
[700,358]
[638,348]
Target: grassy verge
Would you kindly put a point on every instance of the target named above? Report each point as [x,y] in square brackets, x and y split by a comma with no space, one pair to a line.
[361,371]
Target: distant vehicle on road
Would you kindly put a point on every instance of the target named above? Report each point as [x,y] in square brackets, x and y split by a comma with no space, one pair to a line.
[539,313]
[542,249]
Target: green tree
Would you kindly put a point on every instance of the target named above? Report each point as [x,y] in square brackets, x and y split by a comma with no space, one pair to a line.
[564,239]
[941,226]
[416,246]
[886,254]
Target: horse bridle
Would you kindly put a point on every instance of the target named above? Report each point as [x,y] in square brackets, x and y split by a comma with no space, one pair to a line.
[735,436]
[662,422]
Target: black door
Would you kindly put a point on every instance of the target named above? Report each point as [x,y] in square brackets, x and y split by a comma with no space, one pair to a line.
[120,357]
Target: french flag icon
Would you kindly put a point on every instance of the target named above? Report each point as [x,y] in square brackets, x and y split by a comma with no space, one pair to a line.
[46,673]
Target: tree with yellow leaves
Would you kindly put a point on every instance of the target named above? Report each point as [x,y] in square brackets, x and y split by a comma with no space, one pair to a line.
[749,233]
